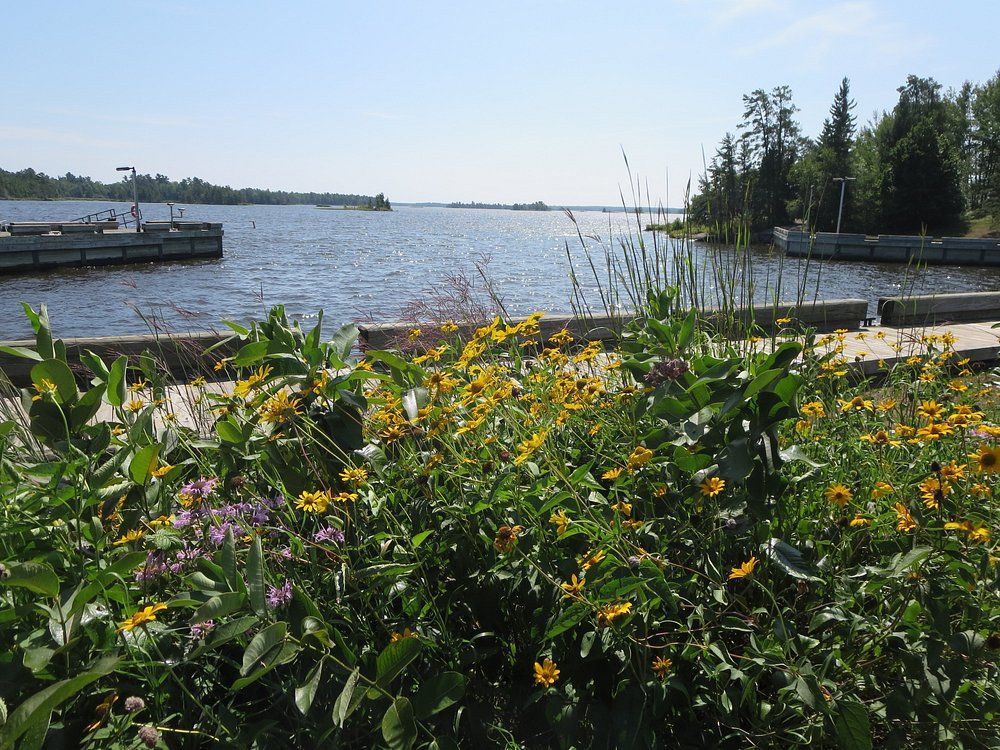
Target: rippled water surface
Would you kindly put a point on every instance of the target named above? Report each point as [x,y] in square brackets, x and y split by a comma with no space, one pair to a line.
[357,264]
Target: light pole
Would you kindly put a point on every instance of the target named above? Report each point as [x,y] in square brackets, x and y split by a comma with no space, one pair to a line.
[171,214]
[135,195]
[843,184]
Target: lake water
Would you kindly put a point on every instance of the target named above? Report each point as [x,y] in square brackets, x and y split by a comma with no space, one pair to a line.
[358,264]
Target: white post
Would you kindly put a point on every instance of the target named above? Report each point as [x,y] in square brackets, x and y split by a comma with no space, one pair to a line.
[843,184]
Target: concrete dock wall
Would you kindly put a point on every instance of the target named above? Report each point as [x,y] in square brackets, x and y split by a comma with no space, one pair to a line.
[889,248]
[934,309]
[20,253]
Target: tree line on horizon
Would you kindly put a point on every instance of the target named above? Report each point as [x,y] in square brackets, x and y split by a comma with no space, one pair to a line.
[932,163]
[28,184]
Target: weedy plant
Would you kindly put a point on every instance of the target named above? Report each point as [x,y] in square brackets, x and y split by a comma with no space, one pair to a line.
[509,539]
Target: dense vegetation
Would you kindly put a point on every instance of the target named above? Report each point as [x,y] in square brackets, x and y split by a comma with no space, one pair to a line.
[933,157]
[536,206]
[503,539]
[31,185]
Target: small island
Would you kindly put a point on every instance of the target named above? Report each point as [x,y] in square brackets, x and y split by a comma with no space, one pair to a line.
[378,203]
[536,206]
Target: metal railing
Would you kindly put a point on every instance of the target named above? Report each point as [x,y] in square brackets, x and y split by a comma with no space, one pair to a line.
[124,218]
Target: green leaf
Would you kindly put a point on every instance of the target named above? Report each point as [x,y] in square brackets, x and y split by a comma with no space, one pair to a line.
[788,559]
[227,559]
[345,703]
[255,577]
[569,618]
[34,576]
[219,606]
[437,693]
[264,646]
[275,658]
[250,354]
[117,388]
[144,463]
[344,340]
[853,726]
[21,351]
[398,727]
[419,539]
[394,658]
[306,692]
[40,705]
[903,564]
[229,431]
[59,374]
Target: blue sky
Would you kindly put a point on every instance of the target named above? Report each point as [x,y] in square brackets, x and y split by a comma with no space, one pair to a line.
[500,101]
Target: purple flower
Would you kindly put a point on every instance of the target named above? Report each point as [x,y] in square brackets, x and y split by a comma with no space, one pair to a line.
[329,534]
[217,534]
[134,704]
[200,487]
[200,629]
[281,596]
[149,736]
[661,372]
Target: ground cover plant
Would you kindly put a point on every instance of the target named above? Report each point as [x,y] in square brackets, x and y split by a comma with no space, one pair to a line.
[503,537]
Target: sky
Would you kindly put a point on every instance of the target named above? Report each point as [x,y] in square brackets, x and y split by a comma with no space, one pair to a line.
[445,101]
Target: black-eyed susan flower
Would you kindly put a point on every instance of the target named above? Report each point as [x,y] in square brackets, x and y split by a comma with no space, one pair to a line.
[313,502]
[546,673]
[608,613]
[904,519]
[662,666]
[142,617]
[506,538]
[560,520]
[838,494]
[712,486]
[987,459]
[573,587]
[743,569]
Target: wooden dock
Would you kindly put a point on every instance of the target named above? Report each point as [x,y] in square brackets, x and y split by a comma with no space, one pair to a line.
[887,248]
[31,247]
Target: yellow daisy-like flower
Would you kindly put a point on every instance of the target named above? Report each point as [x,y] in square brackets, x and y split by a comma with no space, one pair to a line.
[560,520]
[881,489]
[612,474]
[314,502]
[933,431]
[449,326]
[135,405]
[281,407]
[572,587]
[743,570]
[607,614]
[931,410]
[529,446]
[244,387]
[506,538]
[904,520]
[132,536]
[880,438]
[622,507]
[142,617]
[639,458]
[813,409]
[546,673]
[980,490]
[838,494]
[45,388]
[591,559]
[662,666]
[414,334]
[860,520]
[886,405]
[858,403]
[162,471]
[398,636]
[354,475]
[987,459]
[712,486]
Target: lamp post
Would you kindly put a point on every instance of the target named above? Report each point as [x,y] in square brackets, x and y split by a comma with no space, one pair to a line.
[135,195]
[843,184]
[169,203]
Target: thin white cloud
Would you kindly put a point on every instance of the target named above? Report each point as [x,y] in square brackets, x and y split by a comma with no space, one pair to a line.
[47,135]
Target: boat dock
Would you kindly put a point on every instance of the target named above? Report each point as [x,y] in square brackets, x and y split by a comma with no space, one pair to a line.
[889,248]
[30,246]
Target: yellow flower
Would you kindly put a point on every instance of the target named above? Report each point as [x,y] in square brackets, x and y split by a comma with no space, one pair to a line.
[561,521]
[904,521]
[281,407]
[529,446]
[813,409]
[838,494]
[879,438]
[881,489]
[858,403]
[622,507]
[930,410]
[198,382]
[561,337]
[953,471]
[712,486]
[987,459]
[904,430]
[860,520]
[743,570]
[607,614]
[934,431]
[356,475]
[449,326]
[143,616]
[660,491]
[398,636]
[640,457]
[573,587]
[885,405]
[132,536]
[591,559]
[980,490]
[612,474]
[243,387]
[506,538]
[780,322]
[546,673]
[221,364]
[313,502]
[661,664]
[957,385]
[414,334]
[162,471]
[135,405]
[345,497]
[45,388]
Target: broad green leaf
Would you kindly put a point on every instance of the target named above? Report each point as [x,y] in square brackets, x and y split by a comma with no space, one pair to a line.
[437,693]
[144,463]
[394,658]
[281,654]
[34,576]
[39,706]
[788,559]
[853,726]
[21,351]
[117,388]
[228,431]
[419,539]
[306,692]
[398,727]
[218,606]
[255,577]
[264,645]
[59,374]
[345,703]
[569,618]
